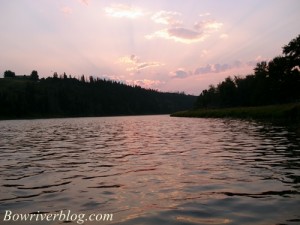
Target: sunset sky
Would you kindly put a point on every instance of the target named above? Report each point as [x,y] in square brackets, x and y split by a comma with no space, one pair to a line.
[169,45]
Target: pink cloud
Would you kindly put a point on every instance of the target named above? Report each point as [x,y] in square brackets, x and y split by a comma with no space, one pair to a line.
[134,63]
[180,73]
[153,84]
[123,11]
[166,18]
[216,68]
[178,34]
[208,26]
[184,33]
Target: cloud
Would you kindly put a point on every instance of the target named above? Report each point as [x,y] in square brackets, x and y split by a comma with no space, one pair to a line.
[209,68]
[219,68]
[113,77]
[166,18]
[204,69]
[144,65]
[256,60]
[200,31]
[132,59]
[178,34]
[259,58]
[234,66]
[145,83]
[123,11]
[216,68]
[181,73]
[134,63]
[208,26]
[66,10]
[184,33]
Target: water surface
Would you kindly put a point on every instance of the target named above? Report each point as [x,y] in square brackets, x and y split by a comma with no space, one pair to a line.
[152,169]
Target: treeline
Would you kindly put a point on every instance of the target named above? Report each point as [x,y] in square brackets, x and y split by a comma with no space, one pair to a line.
[66,96]
[10,74]
[273,82]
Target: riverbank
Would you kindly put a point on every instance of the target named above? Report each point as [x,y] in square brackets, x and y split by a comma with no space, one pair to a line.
[284,112]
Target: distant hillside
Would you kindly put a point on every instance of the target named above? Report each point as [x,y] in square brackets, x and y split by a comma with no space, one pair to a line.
[68,97]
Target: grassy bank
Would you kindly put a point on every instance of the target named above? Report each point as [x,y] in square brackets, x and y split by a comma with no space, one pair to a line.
[286,112]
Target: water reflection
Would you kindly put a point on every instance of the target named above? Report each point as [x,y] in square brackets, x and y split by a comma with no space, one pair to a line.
[152,169]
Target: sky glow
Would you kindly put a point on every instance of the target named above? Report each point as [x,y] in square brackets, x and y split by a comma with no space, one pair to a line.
[165,45]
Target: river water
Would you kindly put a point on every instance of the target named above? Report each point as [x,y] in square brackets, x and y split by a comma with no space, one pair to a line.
[151,170]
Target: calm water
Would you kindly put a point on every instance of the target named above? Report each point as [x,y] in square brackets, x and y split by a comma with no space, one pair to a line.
[152,170]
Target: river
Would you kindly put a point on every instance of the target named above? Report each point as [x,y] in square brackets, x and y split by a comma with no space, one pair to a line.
[151,170]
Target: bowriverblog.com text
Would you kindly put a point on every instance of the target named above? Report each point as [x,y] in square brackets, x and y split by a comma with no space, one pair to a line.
[61,216]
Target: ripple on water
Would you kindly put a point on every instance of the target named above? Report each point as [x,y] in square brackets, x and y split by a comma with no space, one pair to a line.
[152,169]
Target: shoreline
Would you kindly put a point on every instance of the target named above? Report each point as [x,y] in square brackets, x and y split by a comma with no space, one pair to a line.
[71,117]
[283,112]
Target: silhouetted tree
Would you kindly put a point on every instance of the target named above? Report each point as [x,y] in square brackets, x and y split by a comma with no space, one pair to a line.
[55,75]
[72,97]
[292,49]
[278,67]
[261,69]
[227,91]
[91,79]
[276,81]
[82,79]
[9,73]
[34,75]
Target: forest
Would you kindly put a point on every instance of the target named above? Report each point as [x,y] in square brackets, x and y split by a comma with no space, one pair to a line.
[273,82]
[65,96]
